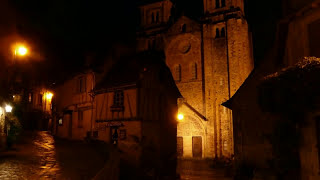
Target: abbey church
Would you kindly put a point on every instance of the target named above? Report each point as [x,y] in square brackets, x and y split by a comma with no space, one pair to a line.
[209,56]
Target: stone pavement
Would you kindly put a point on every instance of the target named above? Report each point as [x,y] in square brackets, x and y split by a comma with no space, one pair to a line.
[39,156]
[201,170]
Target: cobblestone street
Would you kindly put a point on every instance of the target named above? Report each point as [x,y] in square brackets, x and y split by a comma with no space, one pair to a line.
[200,170]
[39,156]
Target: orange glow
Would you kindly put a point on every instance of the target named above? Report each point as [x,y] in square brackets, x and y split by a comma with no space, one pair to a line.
[49,95]
[20,50]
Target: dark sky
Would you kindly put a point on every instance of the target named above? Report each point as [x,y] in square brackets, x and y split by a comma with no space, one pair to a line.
[64,31]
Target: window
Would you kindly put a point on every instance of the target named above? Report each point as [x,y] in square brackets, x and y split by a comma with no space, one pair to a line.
[80,119]
[223,3]
[123,134]
[177,72]
[217,33]
[40,99]
[30,98]
[118,98]
[193,70]
[184,28]
[152,18]
[81,85]
[217,4]
[60,122]
[157,17]
[151,44]
[223,32]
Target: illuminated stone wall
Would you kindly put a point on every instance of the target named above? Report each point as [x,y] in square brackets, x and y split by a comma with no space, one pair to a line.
[220,46]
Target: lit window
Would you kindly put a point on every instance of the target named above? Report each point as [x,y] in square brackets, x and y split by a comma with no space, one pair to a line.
[118,98]
[60,121]
[30,98]
[177,72]
[193,70]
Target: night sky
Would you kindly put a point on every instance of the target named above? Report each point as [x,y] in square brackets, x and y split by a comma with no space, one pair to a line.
[65,32]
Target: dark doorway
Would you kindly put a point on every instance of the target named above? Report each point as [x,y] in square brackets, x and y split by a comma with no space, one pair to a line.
[68,118]
[179,146]
[197,146]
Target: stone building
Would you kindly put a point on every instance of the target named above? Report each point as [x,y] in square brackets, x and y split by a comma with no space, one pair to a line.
[209,57]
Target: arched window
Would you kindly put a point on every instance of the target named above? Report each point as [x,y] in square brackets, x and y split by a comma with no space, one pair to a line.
[217,3]
[152,18]
[193,71]
[177,72]
[223,3]
[223,32]
[184,28]
[217,33]
[157,17]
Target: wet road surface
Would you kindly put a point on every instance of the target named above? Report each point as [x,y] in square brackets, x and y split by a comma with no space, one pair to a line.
[201,170]
[39,156]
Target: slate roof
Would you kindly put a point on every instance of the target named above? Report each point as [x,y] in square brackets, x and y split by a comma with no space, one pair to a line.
[127,71]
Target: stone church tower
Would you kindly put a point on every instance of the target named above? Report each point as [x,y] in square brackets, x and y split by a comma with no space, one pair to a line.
[209,57]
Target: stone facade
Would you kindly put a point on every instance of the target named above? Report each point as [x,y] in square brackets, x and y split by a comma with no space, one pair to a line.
[209,58]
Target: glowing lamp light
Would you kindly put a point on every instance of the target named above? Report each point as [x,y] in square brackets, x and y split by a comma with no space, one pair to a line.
[21,51]
[180,117]
[8,108]
[49,96]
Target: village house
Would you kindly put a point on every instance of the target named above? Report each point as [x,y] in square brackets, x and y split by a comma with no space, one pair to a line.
[275,111]
[73,104]
[37,103]
[134,107]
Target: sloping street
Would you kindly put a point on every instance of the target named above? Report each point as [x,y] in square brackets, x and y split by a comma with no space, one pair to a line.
[40,156]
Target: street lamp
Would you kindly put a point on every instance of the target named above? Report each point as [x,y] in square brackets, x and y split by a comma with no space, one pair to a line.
[49,96]
[8,108]
[180,117]
[20,50]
